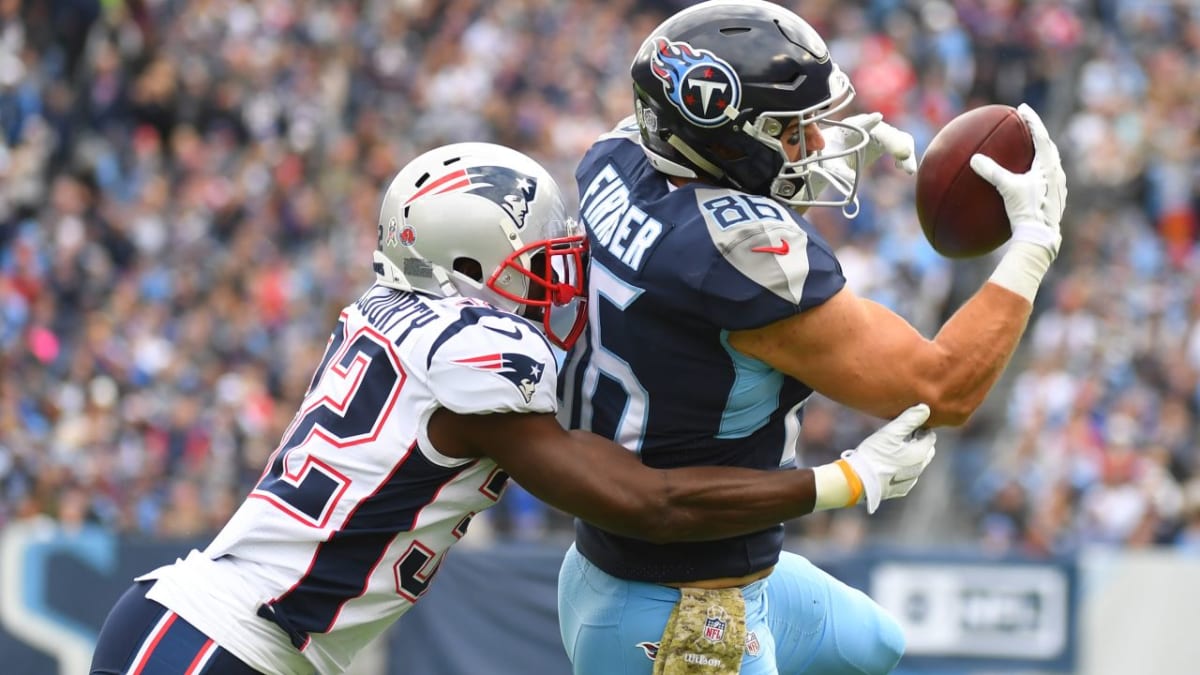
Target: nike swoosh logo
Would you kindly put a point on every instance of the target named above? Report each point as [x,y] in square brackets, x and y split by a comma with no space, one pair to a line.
[781,249]
[893,481]
[515,333]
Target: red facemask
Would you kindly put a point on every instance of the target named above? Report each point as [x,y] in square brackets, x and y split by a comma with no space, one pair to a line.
[556,282]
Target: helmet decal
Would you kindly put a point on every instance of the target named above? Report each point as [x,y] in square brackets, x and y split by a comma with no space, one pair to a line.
[396,235]
[393,233]
[408,236]
[508,188]
[698,83]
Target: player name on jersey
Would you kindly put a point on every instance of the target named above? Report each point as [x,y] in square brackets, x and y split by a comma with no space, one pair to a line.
[388,311]
[624,229]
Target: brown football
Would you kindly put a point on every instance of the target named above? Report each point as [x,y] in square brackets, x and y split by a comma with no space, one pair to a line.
[961,214]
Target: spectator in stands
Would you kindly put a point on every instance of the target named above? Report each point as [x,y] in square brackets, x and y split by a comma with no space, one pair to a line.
[177,180]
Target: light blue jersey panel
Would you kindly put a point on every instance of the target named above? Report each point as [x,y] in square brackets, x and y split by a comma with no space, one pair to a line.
[754,396]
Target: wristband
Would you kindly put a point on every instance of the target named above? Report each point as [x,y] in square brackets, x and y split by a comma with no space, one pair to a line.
[837,486]
[1022,268]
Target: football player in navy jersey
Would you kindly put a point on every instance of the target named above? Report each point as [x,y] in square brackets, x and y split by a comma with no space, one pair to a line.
[437,385]
[717,310]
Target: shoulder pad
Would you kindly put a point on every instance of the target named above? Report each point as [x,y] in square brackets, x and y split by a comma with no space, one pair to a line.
[765,242]
[626,128]
[494,363]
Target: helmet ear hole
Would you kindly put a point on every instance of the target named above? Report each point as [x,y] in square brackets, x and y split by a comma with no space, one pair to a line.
[469,267]
[537,264]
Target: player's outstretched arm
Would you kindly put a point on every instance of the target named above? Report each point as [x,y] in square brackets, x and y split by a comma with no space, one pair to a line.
[863,355]
[605,484]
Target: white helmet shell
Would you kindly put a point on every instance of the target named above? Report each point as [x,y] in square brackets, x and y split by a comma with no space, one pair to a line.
[470,219]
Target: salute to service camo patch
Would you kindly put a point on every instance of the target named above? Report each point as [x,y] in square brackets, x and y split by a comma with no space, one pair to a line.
[705,634]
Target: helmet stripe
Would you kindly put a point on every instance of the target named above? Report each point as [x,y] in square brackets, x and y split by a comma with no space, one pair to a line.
[439,185]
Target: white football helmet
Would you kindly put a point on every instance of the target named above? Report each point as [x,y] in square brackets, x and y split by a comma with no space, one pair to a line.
[487,222]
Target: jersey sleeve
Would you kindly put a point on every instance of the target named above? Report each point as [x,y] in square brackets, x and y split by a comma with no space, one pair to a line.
[496,365]
[766,265]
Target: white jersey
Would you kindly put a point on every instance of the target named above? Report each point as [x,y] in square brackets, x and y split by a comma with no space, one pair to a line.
[356,508]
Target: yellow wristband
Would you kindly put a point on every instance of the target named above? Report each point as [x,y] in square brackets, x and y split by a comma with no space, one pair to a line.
[837,486]
[852,479]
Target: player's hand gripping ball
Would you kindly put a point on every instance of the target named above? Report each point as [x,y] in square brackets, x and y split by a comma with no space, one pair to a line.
[962,215]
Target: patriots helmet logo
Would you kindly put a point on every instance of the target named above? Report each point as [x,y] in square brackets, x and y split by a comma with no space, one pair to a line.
[696,81]
[522,371]
[508,188]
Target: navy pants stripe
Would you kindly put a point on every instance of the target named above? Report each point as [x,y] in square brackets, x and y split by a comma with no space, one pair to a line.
[141,637]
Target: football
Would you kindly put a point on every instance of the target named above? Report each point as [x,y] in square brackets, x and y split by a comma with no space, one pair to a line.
[961,214]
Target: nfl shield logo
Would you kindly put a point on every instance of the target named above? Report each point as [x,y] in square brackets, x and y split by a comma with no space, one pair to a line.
[714,629]
[752,646]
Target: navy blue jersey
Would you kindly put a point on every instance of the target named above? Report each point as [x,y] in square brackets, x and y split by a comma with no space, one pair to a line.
[672,272]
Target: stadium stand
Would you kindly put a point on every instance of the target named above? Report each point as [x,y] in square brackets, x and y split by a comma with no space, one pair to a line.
[188,190]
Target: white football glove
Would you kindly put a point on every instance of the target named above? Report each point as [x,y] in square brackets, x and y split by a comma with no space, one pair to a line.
[883,139]
[889,461]
[1035,199]
[887,140]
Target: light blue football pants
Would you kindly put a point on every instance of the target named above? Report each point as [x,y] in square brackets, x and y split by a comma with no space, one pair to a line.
[798,620]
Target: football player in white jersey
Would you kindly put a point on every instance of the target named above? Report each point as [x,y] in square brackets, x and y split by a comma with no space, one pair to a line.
[437,385]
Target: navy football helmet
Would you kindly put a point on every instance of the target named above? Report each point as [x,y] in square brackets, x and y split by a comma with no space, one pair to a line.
[716,85]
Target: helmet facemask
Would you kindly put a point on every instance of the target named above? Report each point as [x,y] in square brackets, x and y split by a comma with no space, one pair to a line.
[837,165]
[553,272]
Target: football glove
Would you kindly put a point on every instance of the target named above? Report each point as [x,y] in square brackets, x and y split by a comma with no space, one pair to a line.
[1035,199]
[887,140]
[889,461]
[883,139]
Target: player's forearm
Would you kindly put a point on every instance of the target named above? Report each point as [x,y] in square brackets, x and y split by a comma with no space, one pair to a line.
[591,477]
[616,492]
[975,346]
[702,503]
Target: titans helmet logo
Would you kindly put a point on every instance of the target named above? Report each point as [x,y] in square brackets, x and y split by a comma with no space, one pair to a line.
[521,371]
[698,83]
[509,189]
[650,649]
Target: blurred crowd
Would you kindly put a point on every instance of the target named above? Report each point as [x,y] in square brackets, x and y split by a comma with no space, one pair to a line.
[189,190]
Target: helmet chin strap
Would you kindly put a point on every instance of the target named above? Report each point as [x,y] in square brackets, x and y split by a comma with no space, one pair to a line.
[448,288]
[687,151]
[693,156]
